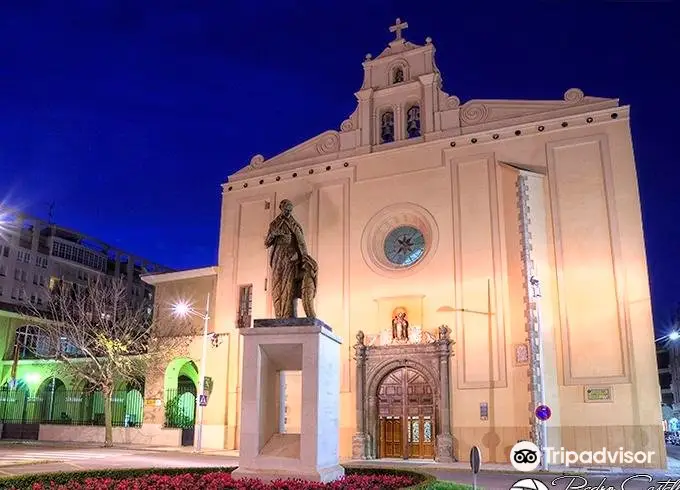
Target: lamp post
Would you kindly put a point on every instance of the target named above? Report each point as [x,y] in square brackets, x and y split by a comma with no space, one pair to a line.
[672,336]
[184,309]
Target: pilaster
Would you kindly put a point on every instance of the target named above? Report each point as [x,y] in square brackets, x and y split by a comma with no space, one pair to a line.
[427,108]
[399,123]
[359,440]
[444,452]
[365,116]
[540,324]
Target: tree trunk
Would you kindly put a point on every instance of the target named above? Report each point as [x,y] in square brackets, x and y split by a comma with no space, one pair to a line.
[108,421]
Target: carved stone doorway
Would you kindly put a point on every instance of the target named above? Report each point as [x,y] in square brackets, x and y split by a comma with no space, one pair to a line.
[406,409]
[402,400]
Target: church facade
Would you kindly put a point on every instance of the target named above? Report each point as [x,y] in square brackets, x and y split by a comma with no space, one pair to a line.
[477,259]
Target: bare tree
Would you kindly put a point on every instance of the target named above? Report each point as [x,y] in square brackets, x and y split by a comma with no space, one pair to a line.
[100,334]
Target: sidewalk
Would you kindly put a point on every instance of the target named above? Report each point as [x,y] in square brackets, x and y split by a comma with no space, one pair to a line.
[673,464]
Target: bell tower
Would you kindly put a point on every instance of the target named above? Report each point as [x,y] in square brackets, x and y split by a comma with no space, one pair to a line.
[400,93]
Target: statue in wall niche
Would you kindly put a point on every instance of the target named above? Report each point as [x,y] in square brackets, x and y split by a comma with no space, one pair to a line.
[400,325]
[294,273]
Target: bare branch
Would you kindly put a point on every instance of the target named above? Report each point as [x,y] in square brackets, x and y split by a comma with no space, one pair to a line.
[102,335]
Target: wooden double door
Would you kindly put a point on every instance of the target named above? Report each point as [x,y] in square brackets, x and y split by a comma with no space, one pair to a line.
[406,413]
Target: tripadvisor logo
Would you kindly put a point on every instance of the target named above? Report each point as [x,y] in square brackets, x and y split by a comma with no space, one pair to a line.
[526,456]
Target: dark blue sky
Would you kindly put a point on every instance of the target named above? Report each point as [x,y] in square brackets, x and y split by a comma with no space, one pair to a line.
[130,114]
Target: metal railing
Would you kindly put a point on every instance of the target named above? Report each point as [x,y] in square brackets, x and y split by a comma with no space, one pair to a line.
[70,407]
[180,408]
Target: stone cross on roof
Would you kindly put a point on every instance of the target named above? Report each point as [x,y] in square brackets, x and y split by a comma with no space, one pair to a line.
[398,27]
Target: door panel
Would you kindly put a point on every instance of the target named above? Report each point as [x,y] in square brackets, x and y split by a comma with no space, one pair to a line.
[390,431]
[420,437]
[406,411]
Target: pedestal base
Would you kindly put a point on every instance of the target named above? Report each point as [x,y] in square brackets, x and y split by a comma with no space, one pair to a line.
[359,445]
[444,449]
[273,346]
[322,475]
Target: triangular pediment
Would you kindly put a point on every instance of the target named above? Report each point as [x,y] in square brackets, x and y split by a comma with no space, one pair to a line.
[326,144]
[479,112]
[398,47]
[473,116]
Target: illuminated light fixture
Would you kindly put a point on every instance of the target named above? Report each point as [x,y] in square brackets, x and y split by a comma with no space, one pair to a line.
[181,308]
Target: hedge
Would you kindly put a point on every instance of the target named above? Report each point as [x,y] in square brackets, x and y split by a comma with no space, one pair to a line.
[27,481]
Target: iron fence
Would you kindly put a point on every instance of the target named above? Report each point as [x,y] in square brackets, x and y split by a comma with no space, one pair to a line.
[180,408]
[70,407]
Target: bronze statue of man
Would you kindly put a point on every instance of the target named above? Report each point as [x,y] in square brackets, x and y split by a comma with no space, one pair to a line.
[294,272]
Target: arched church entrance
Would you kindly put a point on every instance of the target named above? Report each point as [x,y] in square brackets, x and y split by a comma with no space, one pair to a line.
[403,399]
[406,412]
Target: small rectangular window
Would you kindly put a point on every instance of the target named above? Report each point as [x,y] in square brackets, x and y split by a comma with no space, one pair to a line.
[245,306]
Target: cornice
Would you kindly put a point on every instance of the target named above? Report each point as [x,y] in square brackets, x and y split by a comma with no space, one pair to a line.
[384,57]
[457,139]
[154,279]
[394,89]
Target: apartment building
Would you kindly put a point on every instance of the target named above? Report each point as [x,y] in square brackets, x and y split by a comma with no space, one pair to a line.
[668,361]
[34,252]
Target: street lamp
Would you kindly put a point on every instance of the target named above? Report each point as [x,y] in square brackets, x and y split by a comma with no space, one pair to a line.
[672,336]
[184,309]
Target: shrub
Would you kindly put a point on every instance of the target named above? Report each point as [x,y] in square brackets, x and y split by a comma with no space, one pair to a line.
[207,478]
[27,481]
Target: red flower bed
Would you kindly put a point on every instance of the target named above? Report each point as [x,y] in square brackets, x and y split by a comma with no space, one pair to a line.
[223,481]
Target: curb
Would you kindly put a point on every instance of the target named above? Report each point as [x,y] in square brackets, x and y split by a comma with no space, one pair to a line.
[563,472]
[29,463]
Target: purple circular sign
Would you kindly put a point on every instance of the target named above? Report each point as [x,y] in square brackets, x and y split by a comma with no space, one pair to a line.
[543,412]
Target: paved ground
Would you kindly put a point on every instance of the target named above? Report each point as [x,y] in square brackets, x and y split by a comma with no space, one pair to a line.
[20,459]
[26,458]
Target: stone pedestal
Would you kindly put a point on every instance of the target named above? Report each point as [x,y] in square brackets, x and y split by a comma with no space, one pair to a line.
[272,346]
[444,448]
[359,445]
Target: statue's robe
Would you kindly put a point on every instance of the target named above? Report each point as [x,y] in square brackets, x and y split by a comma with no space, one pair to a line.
[287,241]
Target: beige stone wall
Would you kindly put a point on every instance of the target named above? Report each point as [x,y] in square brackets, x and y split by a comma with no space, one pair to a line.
[194,290]
[596,303]
[148,434]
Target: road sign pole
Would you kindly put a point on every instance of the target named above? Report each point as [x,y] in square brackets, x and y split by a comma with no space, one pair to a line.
[206,317]
[475,464]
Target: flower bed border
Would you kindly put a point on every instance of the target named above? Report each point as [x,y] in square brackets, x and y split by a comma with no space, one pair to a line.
[26,481]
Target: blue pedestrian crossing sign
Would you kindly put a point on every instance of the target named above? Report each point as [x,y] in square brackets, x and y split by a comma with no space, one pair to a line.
[203,400]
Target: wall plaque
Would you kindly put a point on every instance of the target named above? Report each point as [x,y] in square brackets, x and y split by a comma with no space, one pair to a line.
[484,411]
[598,394]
